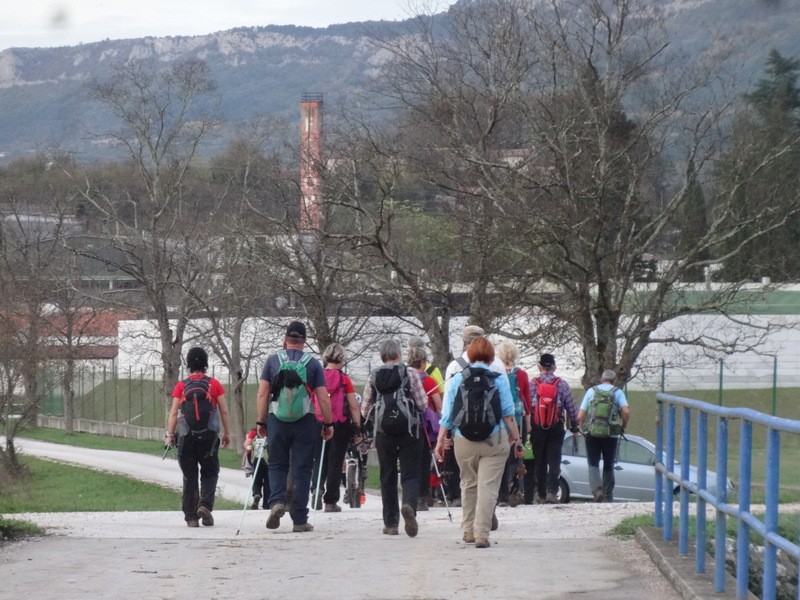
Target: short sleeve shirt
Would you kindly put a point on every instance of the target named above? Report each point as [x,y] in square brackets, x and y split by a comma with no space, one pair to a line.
[214,387]
[316,378]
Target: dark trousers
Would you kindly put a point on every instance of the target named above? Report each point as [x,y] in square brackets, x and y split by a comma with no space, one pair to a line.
[406,449]
[595,449]
[547,457]
[296,440]
[510,471]
[332,462]
[193,454]
[453,483]
[261,481]
[425,468]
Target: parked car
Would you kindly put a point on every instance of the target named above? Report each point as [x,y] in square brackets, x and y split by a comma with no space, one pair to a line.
[634,470]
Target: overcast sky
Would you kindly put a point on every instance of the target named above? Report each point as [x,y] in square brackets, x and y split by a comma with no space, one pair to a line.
[32,23]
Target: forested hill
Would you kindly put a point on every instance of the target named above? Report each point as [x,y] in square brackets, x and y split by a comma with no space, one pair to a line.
[264,70]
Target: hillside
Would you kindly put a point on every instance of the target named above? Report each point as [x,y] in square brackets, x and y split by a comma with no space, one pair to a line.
[264,70]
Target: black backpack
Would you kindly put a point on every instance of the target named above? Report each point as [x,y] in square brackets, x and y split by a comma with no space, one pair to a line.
[197,408]
[476,408]
[395,411]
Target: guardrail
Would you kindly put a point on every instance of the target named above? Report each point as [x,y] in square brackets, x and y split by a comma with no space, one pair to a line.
[666,477]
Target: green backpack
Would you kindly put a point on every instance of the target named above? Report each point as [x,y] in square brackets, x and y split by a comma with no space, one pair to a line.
[291,396]
[602,418]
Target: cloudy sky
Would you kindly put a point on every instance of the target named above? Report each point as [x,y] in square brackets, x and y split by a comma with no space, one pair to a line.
[32,23]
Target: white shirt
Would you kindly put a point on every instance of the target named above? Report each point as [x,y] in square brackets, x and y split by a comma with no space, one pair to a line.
[497,366]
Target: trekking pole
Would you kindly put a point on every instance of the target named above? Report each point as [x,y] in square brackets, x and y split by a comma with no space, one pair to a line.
[319,480]
[166,450]
[438,475]
[261,444]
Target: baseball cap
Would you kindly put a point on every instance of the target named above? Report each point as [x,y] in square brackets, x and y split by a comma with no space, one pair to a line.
[472,332]
[547,361]
[296,330]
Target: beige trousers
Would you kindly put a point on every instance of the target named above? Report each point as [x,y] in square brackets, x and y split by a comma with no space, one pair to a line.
[482,465]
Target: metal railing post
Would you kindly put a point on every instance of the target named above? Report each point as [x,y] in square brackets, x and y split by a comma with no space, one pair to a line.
[686,446]
[702,483]
[722,498]
[771,514]
[658,517]
[743,529]
[670,465]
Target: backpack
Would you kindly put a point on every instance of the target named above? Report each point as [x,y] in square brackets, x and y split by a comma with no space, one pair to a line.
[602,417]
[546,412]
[198,409]
[291,395]
[395,411]
[476,407]
[519,407]
[334,381]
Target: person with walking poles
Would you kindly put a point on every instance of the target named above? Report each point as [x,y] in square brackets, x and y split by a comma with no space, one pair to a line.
[193,425]
[478,410]
[416,358]
[551,398]
[291,382]
[603,417]
[346,417]
[399,400]
[469,333]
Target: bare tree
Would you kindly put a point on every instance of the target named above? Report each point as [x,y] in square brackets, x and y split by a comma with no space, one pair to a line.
[164,117]
[574,137]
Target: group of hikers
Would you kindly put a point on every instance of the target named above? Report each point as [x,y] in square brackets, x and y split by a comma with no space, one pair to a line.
[471,426]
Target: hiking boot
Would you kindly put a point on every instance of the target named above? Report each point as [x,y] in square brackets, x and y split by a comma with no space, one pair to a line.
[333,508]
[391,531]
[275,514]
[469,537]
[495,522]
[550,499]
[205,516]
[410,519]
[422,505]
[598,496]
[515,499]
[256,501]
[541,499]
[193,523]
[502,504]
[318,505]
[302,527]
[482,543]
[456,502]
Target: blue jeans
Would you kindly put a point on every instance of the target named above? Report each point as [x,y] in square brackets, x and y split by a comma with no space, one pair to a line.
[295,440]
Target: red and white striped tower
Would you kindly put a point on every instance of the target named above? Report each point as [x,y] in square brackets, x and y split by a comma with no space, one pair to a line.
[310,162]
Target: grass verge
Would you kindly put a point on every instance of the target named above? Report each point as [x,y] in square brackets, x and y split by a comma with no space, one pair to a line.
[12,529]
[227,456]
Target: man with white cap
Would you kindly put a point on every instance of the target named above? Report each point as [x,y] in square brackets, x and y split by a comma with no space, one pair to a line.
[603,489]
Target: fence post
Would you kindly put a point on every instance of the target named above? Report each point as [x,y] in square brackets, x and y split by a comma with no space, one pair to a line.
[721,366]
[658,517]
[702,464]
[155,396]
[686,446]
[743,530]
[722,498]
[775,385]
[663,376]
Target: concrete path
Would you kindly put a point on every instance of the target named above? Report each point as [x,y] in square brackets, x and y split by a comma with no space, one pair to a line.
[541,552]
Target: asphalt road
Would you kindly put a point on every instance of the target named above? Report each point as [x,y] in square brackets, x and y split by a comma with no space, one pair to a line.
[542,552]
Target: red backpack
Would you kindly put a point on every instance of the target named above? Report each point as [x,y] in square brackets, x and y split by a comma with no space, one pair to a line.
[334,381]
[546,412]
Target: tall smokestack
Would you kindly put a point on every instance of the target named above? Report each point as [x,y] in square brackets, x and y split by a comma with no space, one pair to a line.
[310,162]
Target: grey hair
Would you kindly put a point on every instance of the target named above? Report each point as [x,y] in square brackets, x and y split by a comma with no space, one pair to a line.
[507,352]
[416,356]
[415,342]
[335,353]
[390,350]
[609,376]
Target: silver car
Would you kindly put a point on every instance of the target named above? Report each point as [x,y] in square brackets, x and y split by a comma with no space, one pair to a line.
[634,470]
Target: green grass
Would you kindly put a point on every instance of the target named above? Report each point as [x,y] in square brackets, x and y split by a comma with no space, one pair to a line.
[12,529]
[227,456]
[788,526]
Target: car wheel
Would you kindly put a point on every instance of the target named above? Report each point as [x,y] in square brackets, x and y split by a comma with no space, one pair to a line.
[563,491]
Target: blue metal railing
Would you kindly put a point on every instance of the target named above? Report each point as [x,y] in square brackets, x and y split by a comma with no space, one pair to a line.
[666,478]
